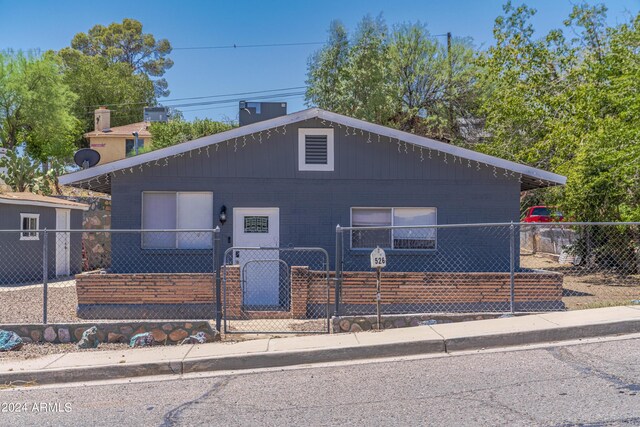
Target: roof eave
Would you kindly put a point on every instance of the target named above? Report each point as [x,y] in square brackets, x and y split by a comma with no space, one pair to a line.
[543,178]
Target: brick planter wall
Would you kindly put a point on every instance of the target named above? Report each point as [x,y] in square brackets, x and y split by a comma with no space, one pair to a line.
[146,296]
[184,295]
[430,291]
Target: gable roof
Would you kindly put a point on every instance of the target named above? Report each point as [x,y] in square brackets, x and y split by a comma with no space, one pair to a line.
[120,131]
[530,177]
[32,199]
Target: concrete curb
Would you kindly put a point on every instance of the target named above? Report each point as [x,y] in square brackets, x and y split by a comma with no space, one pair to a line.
[567,333]
[271,359]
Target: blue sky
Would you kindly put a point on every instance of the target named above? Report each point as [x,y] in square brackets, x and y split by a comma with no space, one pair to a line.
[29,24]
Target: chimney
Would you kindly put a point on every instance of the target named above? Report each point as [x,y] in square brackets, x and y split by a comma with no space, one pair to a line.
[102,119]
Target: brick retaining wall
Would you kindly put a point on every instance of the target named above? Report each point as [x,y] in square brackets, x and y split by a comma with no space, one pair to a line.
[192,295]
[146,296]
[432,291]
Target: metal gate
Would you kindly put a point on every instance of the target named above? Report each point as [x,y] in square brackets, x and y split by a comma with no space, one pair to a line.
[275,290]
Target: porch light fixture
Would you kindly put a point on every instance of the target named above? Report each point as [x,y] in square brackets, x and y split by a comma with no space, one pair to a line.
[223,214]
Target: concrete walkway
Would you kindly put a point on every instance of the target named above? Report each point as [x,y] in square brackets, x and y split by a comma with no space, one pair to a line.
[274,352]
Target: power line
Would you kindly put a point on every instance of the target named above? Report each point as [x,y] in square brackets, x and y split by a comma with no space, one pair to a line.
[217,102]
[239,46]
[227,106]
[196,97]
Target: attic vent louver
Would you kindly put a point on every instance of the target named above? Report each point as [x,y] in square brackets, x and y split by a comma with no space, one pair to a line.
[315,149]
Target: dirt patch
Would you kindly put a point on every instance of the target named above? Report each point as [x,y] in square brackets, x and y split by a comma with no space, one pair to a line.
[32,351]
[588,287]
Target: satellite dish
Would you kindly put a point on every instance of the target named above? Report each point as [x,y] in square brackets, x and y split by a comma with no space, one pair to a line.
[86,158]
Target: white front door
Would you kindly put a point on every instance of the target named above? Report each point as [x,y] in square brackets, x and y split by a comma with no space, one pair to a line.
[63,243]
[258,228]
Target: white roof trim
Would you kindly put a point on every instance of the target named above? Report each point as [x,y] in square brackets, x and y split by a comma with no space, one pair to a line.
[299,116]
[42,204]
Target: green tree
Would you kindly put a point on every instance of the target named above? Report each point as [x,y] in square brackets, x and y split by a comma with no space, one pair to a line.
[326,70]
[35,106]
[98,81]
[126,43]
[177,131]
[401,78]
[570,106]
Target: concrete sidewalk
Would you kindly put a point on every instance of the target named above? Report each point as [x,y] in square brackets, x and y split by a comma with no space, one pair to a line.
[274,352]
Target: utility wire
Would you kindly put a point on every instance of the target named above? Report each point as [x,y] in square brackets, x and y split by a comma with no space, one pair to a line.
[227,106]
[216,102]
[240,46]
[196,97]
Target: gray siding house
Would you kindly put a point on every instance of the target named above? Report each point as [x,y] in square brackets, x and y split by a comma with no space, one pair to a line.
[23,216]
[290,180]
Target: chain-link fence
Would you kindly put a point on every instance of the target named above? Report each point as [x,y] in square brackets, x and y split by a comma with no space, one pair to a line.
[65,276]
[276,290]
[497,268]
[56,276]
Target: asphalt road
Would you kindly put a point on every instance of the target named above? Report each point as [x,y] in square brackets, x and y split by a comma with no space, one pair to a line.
[595,384]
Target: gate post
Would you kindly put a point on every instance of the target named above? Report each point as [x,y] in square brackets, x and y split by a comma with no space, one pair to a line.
[338,276]
[45,274]
[216,272]
[512,257]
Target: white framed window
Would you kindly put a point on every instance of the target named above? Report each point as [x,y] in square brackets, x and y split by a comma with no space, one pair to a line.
[405,238]
[29,224]
[181,210]
[315,149]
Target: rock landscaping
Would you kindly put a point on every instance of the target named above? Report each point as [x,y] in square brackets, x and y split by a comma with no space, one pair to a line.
[163,332]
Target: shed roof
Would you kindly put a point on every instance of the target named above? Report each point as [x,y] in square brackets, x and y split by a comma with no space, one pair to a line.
[530,177]
[32,199]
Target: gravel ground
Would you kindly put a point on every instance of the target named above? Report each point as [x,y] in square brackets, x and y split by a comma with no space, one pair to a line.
[23,304]
[32,351]
[586,289]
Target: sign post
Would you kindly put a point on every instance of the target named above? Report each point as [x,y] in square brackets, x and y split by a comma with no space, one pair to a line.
[378,261]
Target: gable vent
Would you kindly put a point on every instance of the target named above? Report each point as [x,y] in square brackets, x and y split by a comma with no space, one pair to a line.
[315,149]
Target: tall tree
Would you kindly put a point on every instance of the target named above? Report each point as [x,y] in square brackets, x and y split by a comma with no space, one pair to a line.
[126,43]
[570,106]
[98,81]
[326,69]
[404,78]
[35,106]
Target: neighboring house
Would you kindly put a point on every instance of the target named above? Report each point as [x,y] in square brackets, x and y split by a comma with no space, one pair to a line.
[118,142]
[21,248]
[289,180]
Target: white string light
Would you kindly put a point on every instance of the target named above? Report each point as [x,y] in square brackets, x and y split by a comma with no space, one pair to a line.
[353,132]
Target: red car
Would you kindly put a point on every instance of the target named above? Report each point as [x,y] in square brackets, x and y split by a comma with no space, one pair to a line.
[542,214]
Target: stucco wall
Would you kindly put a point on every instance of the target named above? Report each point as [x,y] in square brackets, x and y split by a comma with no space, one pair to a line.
[112,148]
